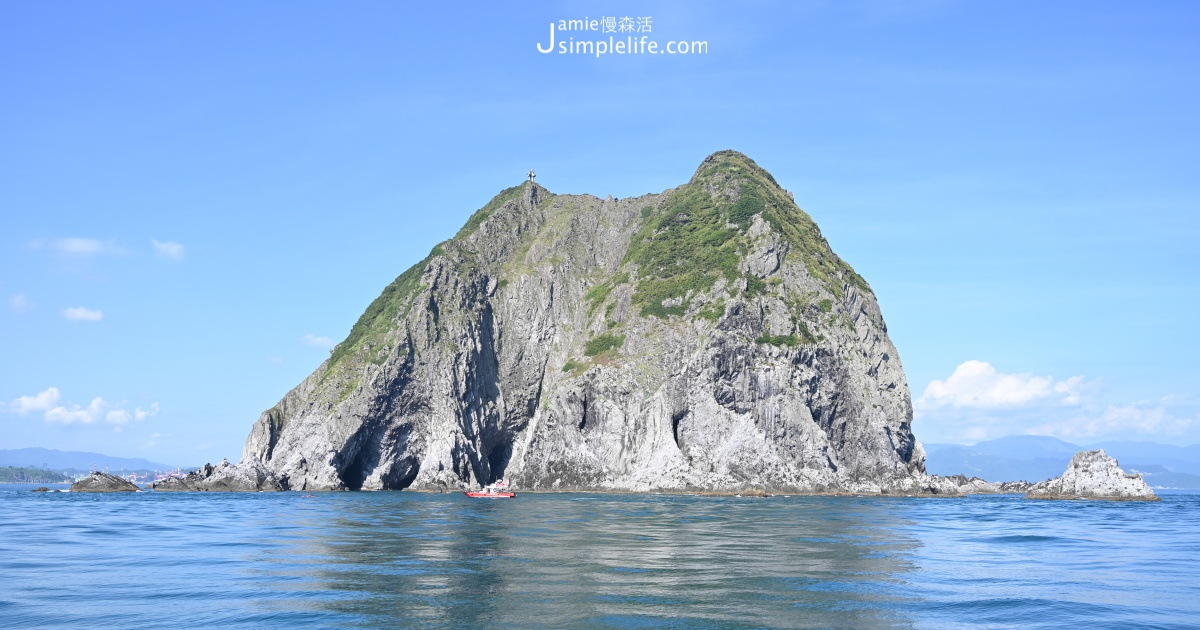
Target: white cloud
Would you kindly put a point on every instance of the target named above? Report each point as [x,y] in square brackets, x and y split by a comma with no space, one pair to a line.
[42,401]
[47,402]
[168,249]
[978,403]
[19,303]
[74,414]
[82,314]
[78,247]
[121,417]
[976,384]
[140,415]
[1141,418]
[1071,390]
[320,342]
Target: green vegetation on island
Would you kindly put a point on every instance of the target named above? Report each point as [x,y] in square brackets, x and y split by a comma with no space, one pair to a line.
[15,474]
[698,237]
[603,343]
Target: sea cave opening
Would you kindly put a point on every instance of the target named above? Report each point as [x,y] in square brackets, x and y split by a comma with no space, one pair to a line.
[498,459]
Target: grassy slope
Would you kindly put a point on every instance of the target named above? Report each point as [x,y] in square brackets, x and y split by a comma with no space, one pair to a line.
[683,248]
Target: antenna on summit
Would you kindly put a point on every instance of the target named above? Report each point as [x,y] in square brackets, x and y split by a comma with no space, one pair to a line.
[531,175]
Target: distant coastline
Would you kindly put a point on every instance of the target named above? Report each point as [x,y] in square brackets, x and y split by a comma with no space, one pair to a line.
[21,474]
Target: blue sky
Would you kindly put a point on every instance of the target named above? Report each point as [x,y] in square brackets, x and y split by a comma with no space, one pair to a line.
[198,198]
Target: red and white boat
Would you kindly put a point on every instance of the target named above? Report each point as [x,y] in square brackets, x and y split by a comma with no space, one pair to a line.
[492,491]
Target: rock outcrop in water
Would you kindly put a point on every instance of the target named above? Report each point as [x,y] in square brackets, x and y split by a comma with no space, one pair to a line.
[702,338]
[1093,475]
[247,476]
[962,484]
[103,482]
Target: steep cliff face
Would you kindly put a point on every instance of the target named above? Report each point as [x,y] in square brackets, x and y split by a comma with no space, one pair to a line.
[705,337]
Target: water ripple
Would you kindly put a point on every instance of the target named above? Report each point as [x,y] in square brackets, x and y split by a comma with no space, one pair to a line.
[567,560]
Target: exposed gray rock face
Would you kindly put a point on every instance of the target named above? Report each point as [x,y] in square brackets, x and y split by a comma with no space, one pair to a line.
[961,484]
[703,338]
[247,476]
[103,482]
[171,484]
[1014,487]
[1093,475]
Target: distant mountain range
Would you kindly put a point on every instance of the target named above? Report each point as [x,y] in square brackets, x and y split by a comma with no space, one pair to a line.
[1036,457]
[79,460]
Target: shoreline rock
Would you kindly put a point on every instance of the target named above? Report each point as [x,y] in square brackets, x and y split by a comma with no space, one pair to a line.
[246,476]
[1094,475]
[103,482]
[975,485]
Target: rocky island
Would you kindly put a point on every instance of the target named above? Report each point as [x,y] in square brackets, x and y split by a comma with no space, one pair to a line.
[103,482]
[1093,475]
[702,338]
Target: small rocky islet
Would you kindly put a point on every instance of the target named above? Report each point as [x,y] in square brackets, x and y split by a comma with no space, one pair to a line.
[103,482]
[701,339]
[1094,475]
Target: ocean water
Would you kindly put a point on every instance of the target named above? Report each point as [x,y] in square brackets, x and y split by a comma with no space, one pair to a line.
[409,560]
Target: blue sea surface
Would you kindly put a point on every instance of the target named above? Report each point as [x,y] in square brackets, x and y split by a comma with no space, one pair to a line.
[410,560]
